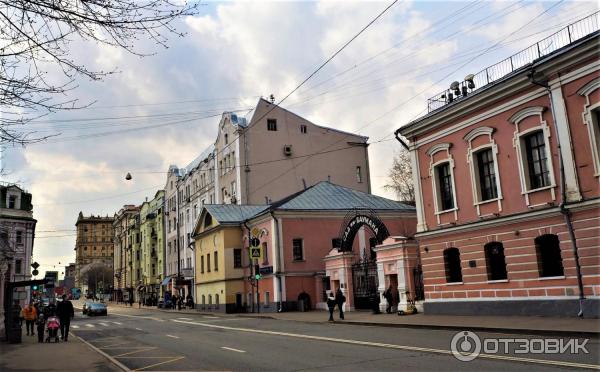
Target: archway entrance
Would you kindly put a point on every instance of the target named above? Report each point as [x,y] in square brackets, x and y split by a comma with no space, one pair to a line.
[365,280]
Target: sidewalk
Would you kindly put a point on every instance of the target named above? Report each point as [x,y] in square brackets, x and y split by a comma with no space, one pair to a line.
[509,324]
[30,355]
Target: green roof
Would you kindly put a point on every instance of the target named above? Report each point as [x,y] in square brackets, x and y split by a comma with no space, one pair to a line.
[327,196]
[233,213]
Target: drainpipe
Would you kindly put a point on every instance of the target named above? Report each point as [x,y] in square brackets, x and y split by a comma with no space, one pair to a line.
[565,212]
[397,135]
[279,265]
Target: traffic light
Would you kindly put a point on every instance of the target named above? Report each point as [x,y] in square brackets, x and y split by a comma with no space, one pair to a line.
[256,272]
[34,287]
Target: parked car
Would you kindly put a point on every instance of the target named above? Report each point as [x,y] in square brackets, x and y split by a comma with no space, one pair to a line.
[86,306]
[97,308]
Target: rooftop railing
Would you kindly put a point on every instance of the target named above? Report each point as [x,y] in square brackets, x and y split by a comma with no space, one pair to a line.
[544,47]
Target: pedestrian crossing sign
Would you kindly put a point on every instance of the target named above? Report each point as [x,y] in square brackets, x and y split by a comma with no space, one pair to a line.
[256,253]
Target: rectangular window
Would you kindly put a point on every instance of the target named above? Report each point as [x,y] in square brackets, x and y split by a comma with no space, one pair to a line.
[267,298]
[298,250]
[272,124]
[202,264]
[303,129]
[358,175]
[444,179]
[537,164]
[19,237]
[208,262]
[233,188]
[18,266]
[12,201]
[237,258]
[216,257]
[265,255]
[487,175]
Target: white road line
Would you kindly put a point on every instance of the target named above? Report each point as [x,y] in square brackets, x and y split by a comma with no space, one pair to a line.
[171,336]
[104,324]
[185,318]
[138,329]
[232,349]
[75,326]
[210,317]
[397,347]
[117,323]
[90,325]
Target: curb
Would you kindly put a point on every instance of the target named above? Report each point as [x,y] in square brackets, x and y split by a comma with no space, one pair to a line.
[111,359]
[539,332]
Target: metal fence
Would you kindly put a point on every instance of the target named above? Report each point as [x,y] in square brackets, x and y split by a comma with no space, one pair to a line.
[552,43]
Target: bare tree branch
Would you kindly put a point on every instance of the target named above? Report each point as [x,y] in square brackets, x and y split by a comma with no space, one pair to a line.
[401,179]
[37,33]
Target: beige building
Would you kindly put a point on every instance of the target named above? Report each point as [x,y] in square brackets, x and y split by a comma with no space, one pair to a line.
[121,256]
[274,155]
[94,244]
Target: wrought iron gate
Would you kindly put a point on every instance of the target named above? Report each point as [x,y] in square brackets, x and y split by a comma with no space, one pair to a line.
[364,279]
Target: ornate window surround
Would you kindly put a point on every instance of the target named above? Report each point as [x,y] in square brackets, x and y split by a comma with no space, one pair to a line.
[434,184]
[475,188]
[588,120]
[519,145]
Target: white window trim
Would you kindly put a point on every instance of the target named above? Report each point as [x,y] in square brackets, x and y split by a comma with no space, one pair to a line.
[474,170]
[449,159]
[302,246]
[522,156]
[588,121]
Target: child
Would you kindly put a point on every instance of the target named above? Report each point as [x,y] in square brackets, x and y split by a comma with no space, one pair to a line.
[41,324]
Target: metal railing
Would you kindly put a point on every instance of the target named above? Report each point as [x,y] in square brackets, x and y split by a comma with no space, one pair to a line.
[544,47]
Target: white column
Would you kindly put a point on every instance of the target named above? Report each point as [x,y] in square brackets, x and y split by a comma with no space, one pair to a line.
[362,243]
[381,287]
[401,284]
[562,126]
[414,158]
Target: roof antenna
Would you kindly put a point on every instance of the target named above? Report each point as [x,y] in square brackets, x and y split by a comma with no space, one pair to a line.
[304,183]
[272,98]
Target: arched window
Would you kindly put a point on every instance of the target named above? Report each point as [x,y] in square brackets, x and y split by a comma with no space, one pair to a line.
[209,300]
[495,261]
[452,265]
[217,300]
[547,248]
[203,300]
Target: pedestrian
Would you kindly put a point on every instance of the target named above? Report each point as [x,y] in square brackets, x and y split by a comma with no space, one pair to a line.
[340,299]
[30,315]
[179,302]
[140,302]
[41,324]
[331,302]
[50,310]
[131,300]
[389,298]
[174,301]
[65,313]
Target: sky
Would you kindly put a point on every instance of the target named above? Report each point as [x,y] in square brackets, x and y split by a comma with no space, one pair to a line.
[164,108]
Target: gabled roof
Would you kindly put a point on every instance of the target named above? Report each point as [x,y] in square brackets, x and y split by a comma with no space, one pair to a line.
[328,196]
[233,213]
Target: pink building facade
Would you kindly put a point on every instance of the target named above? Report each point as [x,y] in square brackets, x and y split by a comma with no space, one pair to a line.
[302,238]
[508,191]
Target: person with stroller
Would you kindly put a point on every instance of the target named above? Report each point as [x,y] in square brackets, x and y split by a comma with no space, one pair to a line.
[52,325]
[65,313]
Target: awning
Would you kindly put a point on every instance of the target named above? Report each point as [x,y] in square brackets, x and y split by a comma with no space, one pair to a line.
[166,280]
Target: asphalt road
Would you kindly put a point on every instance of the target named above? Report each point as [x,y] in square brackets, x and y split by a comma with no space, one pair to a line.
[151,340]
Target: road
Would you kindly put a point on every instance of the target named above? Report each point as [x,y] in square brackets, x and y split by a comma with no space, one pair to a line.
[150,340]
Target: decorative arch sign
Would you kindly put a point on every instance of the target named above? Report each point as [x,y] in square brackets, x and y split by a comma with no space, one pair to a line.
[371,221]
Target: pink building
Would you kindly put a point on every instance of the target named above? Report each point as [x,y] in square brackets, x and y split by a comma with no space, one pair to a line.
[507,172]
[327,237]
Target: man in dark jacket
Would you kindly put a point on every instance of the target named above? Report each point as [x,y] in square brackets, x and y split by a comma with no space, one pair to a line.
[340,299]
[65,313]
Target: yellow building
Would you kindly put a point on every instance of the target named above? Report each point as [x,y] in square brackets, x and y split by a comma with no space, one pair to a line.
[220,257]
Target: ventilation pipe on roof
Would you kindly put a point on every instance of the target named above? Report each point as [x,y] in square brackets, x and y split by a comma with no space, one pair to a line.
[538,78]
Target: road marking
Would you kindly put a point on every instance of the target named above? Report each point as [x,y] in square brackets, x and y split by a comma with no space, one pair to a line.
[104,324]
[117,323]
[171,336]
[232,349]
[113,360]
[138,329]
[158,364]
[75,326]
[392,346]
[210,317]
[185,318]
[136,351]
[90,325]
[112,345]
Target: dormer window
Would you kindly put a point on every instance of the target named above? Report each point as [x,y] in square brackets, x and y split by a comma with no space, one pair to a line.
[12,201]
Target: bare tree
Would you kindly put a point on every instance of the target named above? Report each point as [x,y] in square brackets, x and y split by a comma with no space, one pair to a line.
[36,36]
[401,179]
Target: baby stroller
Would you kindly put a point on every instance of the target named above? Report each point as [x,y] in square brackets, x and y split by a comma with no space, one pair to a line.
[52,325]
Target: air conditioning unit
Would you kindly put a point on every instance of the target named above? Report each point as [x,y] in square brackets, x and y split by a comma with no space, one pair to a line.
[287,150]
